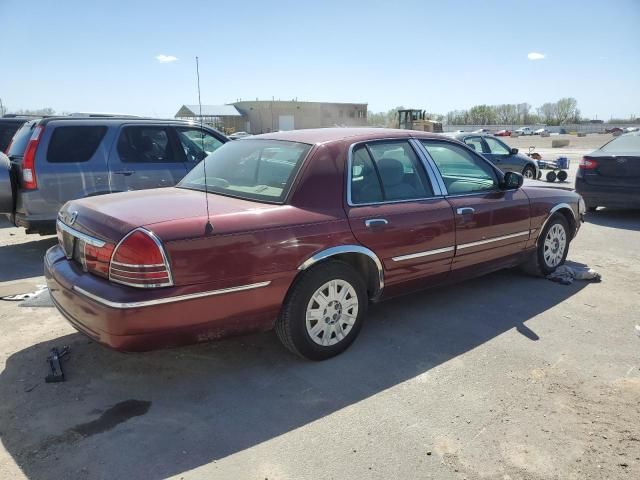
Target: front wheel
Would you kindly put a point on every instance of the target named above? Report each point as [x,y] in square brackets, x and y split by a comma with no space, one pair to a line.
[552,248]
[323,313]
[529,172]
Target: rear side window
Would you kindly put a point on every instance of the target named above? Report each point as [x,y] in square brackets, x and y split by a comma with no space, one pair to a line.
[74,144]
[145,145]
[387,172]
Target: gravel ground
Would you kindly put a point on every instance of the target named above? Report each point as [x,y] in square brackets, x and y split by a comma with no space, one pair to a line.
[504,377]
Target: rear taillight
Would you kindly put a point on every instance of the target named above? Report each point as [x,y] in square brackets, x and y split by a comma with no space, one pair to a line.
[96,259]
[588,163]
[29,161]
[139,260]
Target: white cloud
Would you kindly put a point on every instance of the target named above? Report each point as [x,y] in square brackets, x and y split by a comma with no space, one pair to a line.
[166,58]
[535,56]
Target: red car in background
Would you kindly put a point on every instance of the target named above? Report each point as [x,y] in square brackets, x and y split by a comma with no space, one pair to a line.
[503,133]
[299,231]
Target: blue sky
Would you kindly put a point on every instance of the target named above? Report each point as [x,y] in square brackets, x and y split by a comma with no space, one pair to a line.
[102,56]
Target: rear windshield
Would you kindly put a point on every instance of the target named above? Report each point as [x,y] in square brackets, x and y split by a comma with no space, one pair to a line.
[623,144]
[20,140]
[260,170]
[74,143]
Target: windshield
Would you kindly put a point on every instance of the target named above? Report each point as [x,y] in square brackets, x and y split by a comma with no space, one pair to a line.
[253,169]
[623,144]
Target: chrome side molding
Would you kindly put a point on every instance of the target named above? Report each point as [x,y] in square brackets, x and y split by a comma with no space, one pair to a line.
[161,301]
[494,239]
[423,254]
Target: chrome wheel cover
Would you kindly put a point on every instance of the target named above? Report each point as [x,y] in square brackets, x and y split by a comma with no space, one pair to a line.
[331,312]
[555,244]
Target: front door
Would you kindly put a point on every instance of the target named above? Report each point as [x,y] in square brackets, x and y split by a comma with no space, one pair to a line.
[491,224]
[146,156]
[394,210]
[501,156]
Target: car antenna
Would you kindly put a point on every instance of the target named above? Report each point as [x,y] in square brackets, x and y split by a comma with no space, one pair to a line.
[208,228]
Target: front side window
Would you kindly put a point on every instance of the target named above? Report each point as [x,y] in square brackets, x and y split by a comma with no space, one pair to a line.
[387,171]
[475,143]
[74,143]
[197,143]
[497,147]
[461,170]
[260,170]
[145,145]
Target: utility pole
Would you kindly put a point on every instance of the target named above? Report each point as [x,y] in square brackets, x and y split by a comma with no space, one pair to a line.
[1,108]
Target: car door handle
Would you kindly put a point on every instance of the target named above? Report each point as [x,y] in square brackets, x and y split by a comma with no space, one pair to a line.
[375,222]
[124,172]
[465,211]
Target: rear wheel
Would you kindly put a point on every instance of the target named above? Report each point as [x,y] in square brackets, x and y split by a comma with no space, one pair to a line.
[562,176]
[323,313]
[552,248]
[529,172]
[551,177]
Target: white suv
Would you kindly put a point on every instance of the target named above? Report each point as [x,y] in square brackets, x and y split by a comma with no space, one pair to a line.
[524,131]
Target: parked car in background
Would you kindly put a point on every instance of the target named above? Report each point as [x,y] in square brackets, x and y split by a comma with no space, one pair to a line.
[503,133]
[8,127]
[610,176]
[482,130]
[524,131]
[56,159]
[298,231]
[615,131]
[541,131]
[238,135]
[504,157]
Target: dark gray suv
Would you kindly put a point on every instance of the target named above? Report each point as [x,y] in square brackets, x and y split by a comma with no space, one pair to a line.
[53,160]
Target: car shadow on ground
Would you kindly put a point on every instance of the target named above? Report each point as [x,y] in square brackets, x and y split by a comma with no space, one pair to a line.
[614,218]
[162,413]
[24,260]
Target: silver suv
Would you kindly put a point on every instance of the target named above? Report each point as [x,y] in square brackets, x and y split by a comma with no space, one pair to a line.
[53,160]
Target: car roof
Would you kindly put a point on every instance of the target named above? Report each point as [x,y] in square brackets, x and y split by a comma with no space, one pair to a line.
[327,135]
[116,120]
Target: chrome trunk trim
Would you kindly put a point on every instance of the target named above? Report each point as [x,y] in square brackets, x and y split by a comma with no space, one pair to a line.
[161,301]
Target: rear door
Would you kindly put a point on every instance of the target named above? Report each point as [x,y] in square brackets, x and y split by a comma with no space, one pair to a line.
[490,223]
[146,156]
[395,209]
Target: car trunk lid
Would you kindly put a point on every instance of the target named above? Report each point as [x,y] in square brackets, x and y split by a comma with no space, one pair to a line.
[621,170]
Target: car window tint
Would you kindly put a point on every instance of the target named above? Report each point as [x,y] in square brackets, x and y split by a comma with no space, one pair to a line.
[197,143]
[365,184]
[21,139]
[403,176]
[75,143]
[461,170]
[6,134]
[475,143]
[145,145]
[496,147]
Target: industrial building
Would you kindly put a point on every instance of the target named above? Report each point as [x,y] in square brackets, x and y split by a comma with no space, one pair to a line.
[263,116]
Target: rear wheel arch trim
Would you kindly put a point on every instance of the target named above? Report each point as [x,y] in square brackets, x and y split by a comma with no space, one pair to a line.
[342,249]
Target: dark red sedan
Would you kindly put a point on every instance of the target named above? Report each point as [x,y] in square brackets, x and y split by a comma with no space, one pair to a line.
[306,229]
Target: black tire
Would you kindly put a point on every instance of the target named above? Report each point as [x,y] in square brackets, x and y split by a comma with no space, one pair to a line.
[536,264]
[291,326]
[562,176]
[529,172]
[551,176]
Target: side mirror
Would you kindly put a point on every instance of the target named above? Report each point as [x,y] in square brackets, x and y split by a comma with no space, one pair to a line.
[514,151]
[512,181]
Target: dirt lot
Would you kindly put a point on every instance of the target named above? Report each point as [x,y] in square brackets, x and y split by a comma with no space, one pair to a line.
[505,377]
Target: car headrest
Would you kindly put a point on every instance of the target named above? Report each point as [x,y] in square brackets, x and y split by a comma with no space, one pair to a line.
[391,171]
